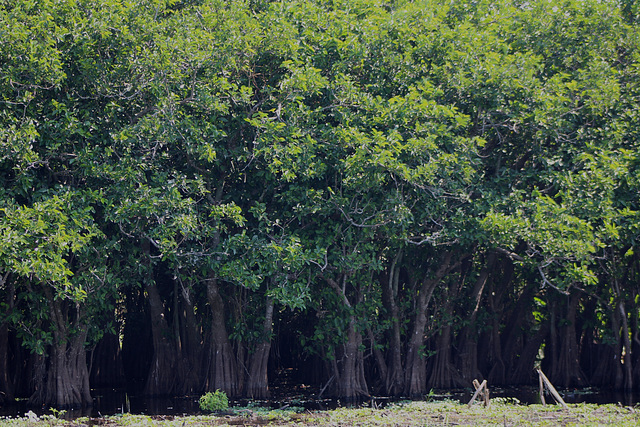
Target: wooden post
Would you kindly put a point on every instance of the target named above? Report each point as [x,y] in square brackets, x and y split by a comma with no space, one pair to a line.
[486,397]
[479,389]
[552,389]
[544,402]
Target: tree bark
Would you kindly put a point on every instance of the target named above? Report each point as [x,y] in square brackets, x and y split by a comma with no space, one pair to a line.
[443,372]
[222,371]
[348,363]
[635,344]
[467,360]
[415,370]
[7,386]
[523,372]
[257,386]
[190,344]
[609,367]
[67,378]
[566,370]
[106,367]
[161,380]
[519,321]
[393,375]
[349,367]
[627,358]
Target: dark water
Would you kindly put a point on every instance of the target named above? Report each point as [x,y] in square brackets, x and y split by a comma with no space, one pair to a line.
[111,402]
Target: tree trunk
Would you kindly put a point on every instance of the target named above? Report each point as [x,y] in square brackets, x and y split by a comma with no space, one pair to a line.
[626,359]
[494,358]
[609,367]
[257,386]
[514,337]
[106,365]
[523,372]
[566,370]
[190,344]
[381,363]
[393,375]
[7,386]
[443,372]
[67,378]
[349,367]
[222,371]
[161,380]
[348,363]
[635,344]
[415,370]
[467,360]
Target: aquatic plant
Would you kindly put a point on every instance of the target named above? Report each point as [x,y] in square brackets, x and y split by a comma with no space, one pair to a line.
[212,402]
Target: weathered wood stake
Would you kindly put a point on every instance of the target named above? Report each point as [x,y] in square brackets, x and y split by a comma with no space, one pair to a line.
[480,389]
[542,399]
[552,389]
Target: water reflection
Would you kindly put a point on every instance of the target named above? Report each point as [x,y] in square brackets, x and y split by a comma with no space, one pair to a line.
[111,402]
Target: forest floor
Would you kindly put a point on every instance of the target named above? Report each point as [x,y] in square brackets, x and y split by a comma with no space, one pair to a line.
[443,413]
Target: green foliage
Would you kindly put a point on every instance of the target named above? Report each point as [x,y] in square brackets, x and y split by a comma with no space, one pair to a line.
[215,401]
[289,150]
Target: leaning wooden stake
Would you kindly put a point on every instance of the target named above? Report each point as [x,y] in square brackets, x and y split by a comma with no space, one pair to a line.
[544,402]
[552,389]
[479,389]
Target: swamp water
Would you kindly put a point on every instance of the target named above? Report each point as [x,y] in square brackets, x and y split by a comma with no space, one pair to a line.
[112,402]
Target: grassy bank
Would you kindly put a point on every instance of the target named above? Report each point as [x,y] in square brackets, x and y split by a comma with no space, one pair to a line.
[407,414]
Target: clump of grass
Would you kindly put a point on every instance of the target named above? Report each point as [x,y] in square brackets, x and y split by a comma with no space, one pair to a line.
[212,402]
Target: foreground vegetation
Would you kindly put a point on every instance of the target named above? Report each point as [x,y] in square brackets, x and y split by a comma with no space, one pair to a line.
[408,414]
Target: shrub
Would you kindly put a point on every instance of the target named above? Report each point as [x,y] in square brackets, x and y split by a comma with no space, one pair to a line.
[214,401]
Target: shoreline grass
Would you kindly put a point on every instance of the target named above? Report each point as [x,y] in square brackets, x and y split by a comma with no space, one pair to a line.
[402,414]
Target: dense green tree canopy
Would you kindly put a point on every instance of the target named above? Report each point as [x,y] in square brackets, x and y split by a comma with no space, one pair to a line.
[389,196]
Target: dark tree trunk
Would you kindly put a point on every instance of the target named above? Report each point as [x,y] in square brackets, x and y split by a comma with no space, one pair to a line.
[105,364]
[415,383]
[627,357]
[257,386]
[517,325]
[609,369]
[67,377]
[523,372]
[348,362]
[491,356]
[222,370]
[494,359]
[161,380]
[137,341]
[635,345]
[566,370]
[393,374]
[7,385]
[443,372]
[467,360]
[348,366]
[190,343]
[381,363]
